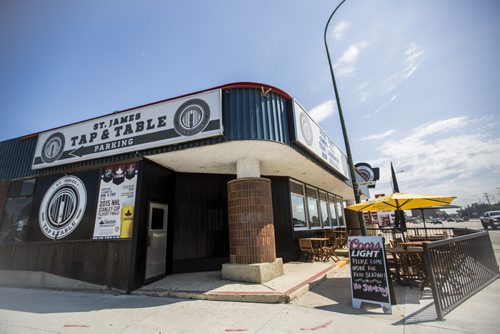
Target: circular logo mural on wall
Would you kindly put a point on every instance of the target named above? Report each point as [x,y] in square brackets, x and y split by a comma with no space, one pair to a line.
[53,147]
[191,117]
[62,207]
[305,127]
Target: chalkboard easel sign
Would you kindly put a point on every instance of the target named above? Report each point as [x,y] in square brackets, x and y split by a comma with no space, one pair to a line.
[369,276]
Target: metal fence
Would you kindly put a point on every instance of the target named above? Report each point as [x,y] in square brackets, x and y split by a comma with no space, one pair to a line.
[458,268]
[390,234]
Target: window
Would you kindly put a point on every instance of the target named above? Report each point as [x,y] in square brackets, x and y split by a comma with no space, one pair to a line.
[325,215]
[312,208]
[298,207]
[340,211]
[333,210]
[21,188]
[17,210]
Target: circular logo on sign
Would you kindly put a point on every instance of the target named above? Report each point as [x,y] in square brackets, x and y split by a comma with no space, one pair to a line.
[62,207]
[191,117]
[366,171]
[305,127]
[53,147]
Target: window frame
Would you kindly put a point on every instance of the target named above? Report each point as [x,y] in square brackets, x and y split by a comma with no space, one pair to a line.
[303,196]
[317,208]
[332,199]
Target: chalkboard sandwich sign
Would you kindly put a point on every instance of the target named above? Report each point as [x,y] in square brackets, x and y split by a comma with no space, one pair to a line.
[369,276]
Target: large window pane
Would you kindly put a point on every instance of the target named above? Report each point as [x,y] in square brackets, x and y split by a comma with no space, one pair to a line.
[333,213]
[340,212]
[333,210]
[298,211]
[21,188]
[324,214]
[312,207]
[15,219]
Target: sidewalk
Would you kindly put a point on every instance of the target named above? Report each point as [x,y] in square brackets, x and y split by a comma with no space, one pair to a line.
[298,279]
[326,308]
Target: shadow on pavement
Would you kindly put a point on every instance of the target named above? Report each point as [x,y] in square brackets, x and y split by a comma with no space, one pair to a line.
[334,295]
[425,314]
[58,301]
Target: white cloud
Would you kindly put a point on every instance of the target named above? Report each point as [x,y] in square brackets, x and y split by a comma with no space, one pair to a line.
[414,55]
[346,65]
[322,111]
[339,30]
[382,107]
[464,163]
[437,127]
[378,136]
[412,58]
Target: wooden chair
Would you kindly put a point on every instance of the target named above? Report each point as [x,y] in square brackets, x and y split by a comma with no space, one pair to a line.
[328,252]
[395,242]
[307,251]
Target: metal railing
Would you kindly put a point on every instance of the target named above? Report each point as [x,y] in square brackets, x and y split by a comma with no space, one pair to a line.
[458,268]
[390,234]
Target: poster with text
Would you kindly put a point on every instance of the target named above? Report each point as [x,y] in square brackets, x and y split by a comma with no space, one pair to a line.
[369,276]
[115,204]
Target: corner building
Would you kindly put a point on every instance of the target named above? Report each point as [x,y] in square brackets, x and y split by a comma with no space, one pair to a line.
[233,174]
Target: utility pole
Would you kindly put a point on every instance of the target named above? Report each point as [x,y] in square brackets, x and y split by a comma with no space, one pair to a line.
[355,185]
[399,214]
[486,195]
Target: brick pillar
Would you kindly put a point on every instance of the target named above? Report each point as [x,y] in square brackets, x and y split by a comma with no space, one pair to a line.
[251,225]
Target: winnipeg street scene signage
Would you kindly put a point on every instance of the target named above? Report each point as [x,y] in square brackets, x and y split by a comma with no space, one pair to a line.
[369,276]
[115,205]
[315,139]
[185,119]
[62,207]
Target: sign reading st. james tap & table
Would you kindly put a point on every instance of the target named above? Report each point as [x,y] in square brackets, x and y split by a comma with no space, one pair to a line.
[171,122]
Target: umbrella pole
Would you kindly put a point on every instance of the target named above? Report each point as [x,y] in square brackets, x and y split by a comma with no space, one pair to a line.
[423,219]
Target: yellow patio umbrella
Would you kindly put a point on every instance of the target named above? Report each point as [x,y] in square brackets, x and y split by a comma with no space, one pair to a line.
[403,201]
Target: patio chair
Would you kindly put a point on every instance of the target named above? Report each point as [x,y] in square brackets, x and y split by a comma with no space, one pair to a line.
[328,252]
[308,253]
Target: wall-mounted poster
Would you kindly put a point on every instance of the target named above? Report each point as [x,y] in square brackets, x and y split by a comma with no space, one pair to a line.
[115,204]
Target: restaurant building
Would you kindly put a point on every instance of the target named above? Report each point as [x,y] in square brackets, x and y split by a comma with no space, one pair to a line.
[230,175]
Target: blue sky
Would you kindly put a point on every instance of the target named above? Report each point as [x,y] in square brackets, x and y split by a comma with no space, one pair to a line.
[419,79]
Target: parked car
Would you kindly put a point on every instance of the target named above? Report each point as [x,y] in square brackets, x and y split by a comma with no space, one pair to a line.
[491,218]
[435,221]
[450,219]
[459,219]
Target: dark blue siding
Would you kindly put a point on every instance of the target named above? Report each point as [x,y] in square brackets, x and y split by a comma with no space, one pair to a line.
[16,156]
[249,115]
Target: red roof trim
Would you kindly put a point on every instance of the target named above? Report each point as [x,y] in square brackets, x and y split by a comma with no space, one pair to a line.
[223,87]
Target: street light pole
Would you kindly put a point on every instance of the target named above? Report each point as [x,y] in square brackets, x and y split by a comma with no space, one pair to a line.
[355,184]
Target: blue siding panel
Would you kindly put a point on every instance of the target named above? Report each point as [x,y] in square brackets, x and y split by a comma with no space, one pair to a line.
[249,115]
[16,156]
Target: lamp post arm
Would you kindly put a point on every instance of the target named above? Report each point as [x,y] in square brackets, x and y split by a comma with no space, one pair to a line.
[350,162]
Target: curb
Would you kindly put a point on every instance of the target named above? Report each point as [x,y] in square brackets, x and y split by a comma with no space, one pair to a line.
[248,296]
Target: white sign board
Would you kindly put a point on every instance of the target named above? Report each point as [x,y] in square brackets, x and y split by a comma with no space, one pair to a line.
[116,201]
[315,139]
[171,122]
